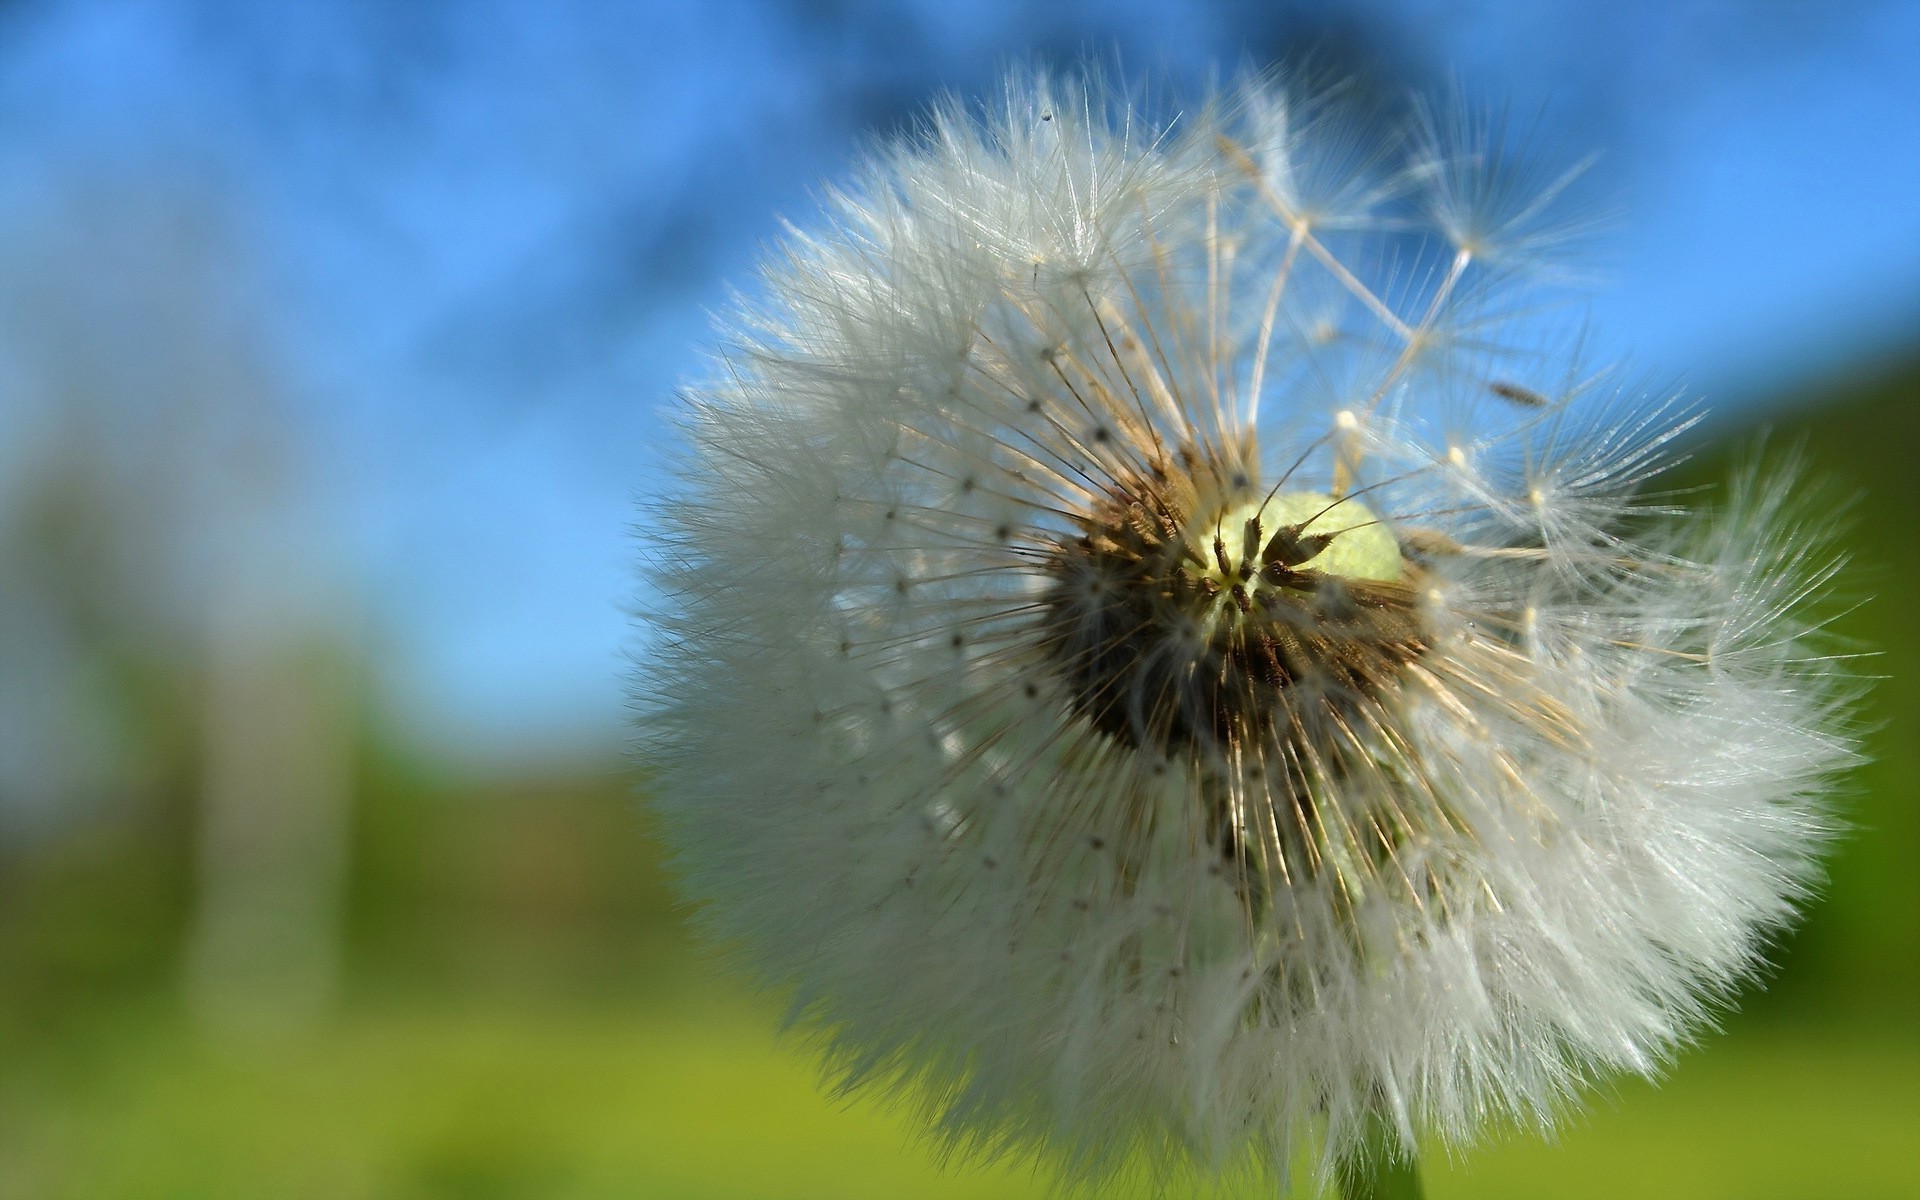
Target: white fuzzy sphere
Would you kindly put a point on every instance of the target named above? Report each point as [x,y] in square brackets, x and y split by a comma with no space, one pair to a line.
[1147,668]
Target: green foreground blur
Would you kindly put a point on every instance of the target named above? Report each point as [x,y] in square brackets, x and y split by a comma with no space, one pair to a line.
[696,1100]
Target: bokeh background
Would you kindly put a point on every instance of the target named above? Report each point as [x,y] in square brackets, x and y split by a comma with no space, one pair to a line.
[334,342]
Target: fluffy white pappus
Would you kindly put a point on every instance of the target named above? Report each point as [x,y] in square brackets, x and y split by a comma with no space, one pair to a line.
[1153,676]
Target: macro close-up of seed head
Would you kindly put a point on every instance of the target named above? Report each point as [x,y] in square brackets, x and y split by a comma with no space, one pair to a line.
[1165,657]
[899,600]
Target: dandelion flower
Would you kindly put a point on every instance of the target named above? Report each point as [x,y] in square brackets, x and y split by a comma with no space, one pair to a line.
[1156,660]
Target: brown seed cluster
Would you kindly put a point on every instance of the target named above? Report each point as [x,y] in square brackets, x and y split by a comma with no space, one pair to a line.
[1176,634]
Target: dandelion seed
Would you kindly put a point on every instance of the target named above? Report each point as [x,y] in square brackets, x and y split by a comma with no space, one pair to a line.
[1108,685]
[1519,395]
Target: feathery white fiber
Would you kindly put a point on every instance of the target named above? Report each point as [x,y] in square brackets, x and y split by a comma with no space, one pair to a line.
[1147,668]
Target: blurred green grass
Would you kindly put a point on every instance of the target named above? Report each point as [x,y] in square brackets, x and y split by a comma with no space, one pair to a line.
[698,1100]
[523,1016]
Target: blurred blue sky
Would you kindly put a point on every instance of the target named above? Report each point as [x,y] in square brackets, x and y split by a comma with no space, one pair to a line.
[482,237]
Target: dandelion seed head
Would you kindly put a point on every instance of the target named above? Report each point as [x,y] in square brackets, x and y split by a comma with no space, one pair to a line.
[1145,672]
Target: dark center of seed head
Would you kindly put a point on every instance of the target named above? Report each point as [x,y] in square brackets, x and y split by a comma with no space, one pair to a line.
[1184,618]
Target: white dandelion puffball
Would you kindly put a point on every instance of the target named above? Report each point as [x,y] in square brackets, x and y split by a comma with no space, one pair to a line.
[1157,661]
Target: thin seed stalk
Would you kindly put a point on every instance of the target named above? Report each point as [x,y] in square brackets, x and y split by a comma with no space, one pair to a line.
[1379,1168]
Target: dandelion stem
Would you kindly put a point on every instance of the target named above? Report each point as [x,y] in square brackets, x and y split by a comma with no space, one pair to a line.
[1379,1168]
